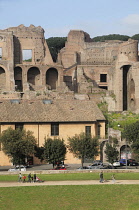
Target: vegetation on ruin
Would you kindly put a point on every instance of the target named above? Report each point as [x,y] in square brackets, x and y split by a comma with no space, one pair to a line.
[118,120]
[83,146]
[17,144]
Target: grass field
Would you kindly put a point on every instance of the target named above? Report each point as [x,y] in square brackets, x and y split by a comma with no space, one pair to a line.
[86,197]
[110,197]
[76,176]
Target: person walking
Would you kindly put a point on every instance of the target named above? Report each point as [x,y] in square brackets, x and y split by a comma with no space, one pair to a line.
[34,178]
[101,177]
[20,177]
[29,177]
[24,178]
[113,178]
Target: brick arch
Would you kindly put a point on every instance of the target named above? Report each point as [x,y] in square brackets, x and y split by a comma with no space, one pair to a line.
[18,78]
[33,77]
[52,78]
[2,78]
[125,152]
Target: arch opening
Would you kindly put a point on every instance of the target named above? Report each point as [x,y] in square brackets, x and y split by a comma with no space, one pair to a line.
[125,152]
[18,79]
[33,77]
[52,78]
[2,79]
[126,69]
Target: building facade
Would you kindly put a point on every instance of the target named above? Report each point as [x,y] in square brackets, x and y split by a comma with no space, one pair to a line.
[45,118]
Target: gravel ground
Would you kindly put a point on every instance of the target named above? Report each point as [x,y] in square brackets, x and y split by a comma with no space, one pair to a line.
[87,182]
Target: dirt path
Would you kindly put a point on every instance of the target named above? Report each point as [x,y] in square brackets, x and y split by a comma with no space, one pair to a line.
[84,182]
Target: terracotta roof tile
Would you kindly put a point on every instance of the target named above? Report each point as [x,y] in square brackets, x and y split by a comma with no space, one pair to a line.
[58,111]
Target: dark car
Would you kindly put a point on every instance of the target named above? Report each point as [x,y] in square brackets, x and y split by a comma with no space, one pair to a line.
[132,162]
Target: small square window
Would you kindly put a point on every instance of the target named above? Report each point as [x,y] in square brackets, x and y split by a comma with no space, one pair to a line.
[103,77]
[19,126]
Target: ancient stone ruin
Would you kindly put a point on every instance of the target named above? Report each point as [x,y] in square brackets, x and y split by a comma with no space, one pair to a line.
[84,70]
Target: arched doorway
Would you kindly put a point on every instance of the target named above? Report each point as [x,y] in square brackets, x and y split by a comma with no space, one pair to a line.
[125,88]
[33,77]
[132,94]
[2,79]
[52,78]
[125,152]
[18,79]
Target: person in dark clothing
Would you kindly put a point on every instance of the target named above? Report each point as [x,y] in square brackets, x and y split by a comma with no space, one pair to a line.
[101,177]
[29,177]
[34,178]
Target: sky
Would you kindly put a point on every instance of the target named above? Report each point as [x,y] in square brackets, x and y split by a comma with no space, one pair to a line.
[58,17]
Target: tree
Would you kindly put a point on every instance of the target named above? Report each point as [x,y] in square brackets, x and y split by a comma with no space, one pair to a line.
[83,146]
[135,37]
[39,153]
[110,37]
[131,133]
[17,144]
[111,150]
[55,44]
[54,150]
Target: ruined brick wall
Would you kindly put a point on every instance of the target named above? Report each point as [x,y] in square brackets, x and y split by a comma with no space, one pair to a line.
[30,38]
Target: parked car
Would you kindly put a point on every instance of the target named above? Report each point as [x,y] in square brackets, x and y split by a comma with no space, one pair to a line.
[96,164]
[18,168]
[82,168]
[107,167]
[59,168]
[132,162]
[116,164]
[122,162]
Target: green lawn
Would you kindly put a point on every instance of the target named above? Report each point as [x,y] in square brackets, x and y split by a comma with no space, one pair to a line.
[89,197]
[76,176]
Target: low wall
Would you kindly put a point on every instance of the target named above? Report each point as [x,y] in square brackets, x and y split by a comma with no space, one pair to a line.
[72,171]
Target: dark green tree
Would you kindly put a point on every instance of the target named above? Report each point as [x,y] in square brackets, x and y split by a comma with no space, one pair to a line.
[39,153]
[135,37]
[110,37]
[55,44]
[111,151]
[18,144]
[83,146]
[131,133]
[54,150]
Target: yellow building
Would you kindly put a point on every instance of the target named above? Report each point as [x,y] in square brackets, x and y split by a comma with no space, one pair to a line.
[46,118]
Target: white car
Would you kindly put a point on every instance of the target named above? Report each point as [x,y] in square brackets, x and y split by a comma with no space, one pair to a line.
[116,164]
[18,168]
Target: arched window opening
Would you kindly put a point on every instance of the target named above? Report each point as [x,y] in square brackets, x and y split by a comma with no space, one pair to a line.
[33,77]
[18,79]
[51,78]
[2,79]
[125,92]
